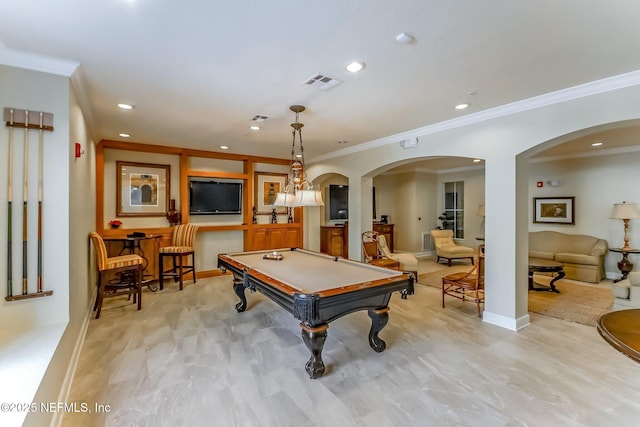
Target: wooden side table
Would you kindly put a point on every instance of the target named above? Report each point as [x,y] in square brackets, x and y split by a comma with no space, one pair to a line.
[624,265]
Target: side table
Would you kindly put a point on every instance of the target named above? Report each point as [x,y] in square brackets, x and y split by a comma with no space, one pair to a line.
[386,263]
[624,265]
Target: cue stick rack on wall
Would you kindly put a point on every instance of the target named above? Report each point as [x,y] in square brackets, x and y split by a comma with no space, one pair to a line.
[21,122]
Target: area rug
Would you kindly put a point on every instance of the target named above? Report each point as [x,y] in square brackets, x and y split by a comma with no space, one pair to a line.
[578,302]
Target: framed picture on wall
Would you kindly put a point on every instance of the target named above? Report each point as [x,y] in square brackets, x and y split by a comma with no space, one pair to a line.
[553,210]
[142,189]
[267,186]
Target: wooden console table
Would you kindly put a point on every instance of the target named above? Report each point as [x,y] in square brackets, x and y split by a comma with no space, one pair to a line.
[334,240]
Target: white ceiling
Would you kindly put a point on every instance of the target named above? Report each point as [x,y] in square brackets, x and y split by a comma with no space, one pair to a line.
[198,71]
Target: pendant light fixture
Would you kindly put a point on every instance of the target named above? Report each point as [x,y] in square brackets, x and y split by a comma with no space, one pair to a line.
[299,190]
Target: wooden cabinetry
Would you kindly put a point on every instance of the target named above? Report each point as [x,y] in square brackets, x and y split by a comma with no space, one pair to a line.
[273,236]
[334,240]
[387,231]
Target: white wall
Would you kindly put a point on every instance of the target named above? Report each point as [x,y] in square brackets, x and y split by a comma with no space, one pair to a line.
[35,91]
[415,200]
[474,182]
[501,137]
[48,328]
[596,183]
[82,274]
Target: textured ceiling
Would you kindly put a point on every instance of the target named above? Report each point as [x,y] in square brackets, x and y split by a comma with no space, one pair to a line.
[198,71]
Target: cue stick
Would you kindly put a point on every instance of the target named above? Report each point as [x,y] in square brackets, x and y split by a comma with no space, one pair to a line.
[9,209]
[40,206]
[25,198]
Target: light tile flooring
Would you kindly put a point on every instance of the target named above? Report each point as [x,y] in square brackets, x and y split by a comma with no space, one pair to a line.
[188,359]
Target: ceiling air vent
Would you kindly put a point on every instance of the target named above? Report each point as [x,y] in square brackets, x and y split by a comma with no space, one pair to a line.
[322,82]
[259,118]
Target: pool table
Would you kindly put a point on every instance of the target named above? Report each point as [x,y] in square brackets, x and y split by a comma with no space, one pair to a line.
[316,289]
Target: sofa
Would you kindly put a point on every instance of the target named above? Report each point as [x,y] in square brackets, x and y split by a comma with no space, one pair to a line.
[582,256]
[627,292]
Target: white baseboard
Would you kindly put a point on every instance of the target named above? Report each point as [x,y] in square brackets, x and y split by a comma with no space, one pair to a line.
[506,322]
[73,363]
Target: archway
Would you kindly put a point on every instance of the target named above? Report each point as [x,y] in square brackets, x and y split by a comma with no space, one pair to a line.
[591,166]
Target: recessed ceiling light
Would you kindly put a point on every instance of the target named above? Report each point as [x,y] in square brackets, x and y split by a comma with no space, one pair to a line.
[125,106]
[597,144]
[224,147]
[124,135]
[355,66]
[254,127]
[461,106]
[476,160]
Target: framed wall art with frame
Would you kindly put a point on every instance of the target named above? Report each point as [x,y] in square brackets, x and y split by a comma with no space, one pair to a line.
[554,210]
[142,189]
[267,186]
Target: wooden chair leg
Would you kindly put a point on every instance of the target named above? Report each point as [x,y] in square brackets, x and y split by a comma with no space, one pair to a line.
[100,296]
[193,265]
[161,271]
[180,262]
[174,269]
[138,278]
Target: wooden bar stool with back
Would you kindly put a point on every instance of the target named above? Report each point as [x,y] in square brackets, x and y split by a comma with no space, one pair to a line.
[182,246]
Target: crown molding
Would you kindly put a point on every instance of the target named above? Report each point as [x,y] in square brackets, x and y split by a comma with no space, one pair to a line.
[575,92]
[595,153]
[36,62]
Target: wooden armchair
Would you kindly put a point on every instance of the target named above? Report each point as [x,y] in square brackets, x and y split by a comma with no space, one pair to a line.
[370,246]
[407,262]
[467,286]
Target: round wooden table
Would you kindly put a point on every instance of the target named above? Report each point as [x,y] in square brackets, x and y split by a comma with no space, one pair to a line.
[620,329]
[539,265]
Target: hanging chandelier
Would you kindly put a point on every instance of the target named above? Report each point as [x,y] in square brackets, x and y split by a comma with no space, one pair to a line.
[299,190]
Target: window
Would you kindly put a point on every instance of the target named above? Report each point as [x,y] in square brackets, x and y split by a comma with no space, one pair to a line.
[454,208]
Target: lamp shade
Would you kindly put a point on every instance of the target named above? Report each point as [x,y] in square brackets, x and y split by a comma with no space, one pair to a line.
[285,199]
[308,198]
[625,210]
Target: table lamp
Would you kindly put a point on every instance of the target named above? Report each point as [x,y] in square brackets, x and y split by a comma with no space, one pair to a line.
[625,211]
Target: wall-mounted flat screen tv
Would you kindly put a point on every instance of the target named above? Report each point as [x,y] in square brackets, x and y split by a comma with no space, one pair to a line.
[338,202]
[211,197]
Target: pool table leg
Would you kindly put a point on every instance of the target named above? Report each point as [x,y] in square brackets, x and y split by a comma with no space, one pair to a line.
[379,318]
[238,287]
[314,338]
